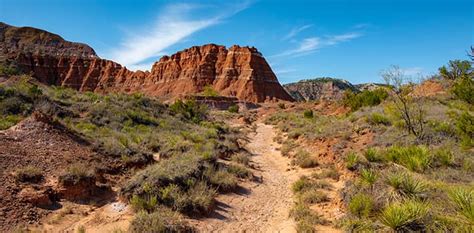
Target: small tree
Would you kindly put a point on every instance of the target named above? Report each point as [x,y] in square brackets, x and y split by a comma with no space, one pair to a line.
[456,69]
[408,107]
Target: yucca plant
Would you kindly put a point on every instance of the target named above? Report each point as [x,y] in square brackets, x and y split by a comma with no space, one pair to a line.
[368,176]
[405,185]
[361,205]
[372,155]
[463,199]
[404,216]
[352,159]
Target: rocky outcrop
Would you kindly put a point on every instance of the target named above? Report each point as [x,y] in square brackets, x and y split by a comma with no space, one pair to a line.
[319,89]
[240,72]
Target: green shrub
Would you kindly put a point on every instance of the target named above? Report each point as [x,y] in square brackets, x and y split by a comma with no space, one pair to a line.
[372,155]
[415,158]
[241,158]
[361,205]
[378,119]
[304,160]
[9,121]
[443,157]
[405,215]
[209,91]
[463,89]
[465,128]
[189,110]
[77,173]
[157,222]
[352,160]
[148,203]
[239,171]
[463,200]
[303,183]
[223,180]
[29,174]
[304,217]
[313,197]
[308,113]
[368,176]
[234,108]
[364,98]
[8,70]
[406,185]
[330,172]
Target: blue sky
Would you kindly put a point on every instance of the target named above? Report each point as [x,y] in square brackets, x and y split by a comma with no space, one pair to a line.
[353,40]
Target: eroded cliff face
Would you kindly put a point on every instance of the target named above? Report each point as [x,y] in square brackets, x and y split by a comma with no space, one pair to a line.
[238,71]
[319,89]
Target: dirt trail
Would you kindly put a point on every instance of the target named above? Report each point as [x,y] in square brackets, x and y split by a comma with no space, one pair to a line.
[263,205]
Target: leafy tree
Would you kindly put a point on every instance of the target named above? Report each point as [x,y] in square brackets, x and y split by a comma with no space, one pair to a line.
[456,69]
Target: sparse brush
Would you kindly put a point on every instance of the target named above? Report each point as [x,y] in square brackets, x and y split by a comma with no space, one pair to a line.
[463,200]
[160,221]
[241,158]
[240,171]
[443,157]
[313,197]
[287,147]
[303,183]
[221,179]
[29,174]
[378,119]
[304,160]
[361,205]
[404,216]
[357,225]
[330,172]
[305,218]
[368,176]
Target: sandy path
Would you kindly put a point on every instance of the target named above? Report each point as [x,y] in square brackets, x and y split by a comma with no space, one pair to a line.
[260,206]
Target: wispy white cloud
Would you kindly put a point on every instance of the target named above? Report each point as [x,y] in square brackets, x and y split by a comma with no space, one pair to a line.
[312,44]
[295,31]
[412,71]
[175,23]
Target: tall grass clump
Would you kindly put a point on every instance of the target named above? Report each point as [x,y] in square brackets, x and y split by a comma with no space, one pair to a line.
[405,185]
[304,160]
[463,201]
[352,161]
[361,205]
[405,216]
[415,158]
[372,155]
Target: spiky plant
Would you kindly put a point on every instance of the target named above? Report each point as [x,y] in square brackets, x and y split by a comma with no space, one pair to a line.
[463,200]
[404,216]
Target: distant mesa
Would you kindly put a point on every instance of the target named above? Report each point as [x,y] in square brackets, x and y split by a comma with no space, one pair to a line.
[240,72]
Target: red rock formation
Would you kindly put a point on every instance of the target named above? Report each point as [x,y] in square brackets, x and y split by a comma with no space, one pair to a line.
[238,71]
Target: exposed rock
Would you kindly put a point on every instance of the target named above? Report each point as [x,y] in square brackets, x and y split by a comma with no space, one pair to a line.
[38,197]
[240,72]
[319,89]
[74,188]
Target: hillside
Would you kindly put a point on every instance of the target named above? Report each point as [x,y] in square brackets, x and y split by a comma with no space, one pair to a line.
[319,89]
[236,71]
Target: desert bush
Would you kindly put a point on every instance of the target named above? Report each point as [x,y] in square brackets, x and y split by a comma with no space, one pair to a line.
[234,108]
[465,128]
[77,173]
[456,69]
[463,201]
[8,70]
[368,176]
[157,222]
[443,157]
[372,155]
[330,172]
[352,161]
[189,110]
[313,197]
[364,98]
[304,160]
[221,179]
[29,174]
[463,89]
[415,158]
[308,113]
[209,91]
[361,205]
[287,147]
[9,121]
[303,183]
[148,203]
[239,171]
[404,216]
[378,119]
[405,185]
[304,217]
[241,158]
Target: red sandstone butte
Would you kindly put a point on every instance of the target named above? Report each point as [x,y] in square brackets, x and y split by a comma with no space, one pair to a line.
[240,72]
